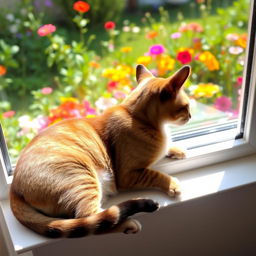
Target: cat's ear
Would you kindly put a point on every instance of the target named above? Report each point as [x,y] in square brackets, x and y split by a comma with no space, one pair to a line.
[142,72]
[179,78]
[174,83]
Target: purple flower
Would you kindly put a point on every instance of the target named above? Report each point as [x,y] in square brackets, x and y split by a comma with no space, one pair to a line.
[48,3]
[156,49]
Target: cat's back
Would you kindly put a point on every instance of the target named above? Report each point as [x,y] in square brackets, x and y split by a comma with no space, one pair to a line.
[73,140]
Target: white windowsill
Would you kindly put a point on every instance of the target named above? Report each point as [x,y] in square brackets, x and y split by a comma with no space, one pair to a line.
[195,184]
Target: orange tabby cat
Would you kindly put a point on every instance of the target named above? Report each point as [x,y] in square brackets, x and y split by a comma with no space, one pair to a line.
[65,172]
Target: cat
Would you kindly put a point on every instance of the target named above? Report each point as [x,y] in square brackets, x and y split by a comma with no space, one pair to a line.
[63,175]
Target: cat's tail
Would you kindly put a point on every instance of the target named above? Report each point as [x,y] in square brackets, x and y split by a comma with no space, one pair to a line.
[114,219]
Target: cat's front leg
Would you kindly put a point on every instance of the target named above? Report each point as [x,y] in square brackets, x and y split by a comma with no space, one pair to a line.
[147,178]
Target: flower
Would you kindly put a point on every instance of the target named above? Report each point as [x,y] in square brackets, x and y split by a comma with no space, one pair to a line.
[151,34]
[3,70]
[94,64]
[193,26]
[144,60]
[126,29]
[223,103]
[239,80]
[81,6]
[209,60]
[103,103]
[235,50]
[9,114]
[176,35]
[165,63]
[119,95]
[126,49]
[241,41]
[109,25]
[232,37]
[46,90]
[184,57]
[112,85]
[207,90]
[46,30]
[136,29]
[156,49]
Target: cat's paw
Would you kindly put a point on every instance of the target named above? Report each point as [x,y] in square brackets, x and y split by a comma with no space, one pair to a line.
[131,226]
[174,187]
[176,153]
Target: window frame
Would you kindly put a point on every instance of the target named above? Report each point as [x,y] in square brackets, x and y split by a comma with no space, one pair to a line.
[214,153]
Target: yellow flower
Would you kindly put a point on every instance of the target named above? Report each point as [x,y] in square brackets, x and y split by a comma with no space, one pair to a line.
[144,60]
[209,60]
[126,49]
[205,90]
[190,50]
[68,99]
[120,74]
[165,63]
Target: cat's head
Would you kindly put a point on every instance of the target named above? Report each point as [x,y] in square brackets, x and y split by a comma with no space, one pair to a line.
[161,99]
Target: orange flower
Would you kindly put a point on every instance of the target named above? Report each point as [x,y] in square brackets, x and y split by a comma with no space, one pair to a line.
[241,41]
[193,26]
[209,60]
[151,34]
[94,64]
[81,6]
[126,49]
[145,60]
[3,70]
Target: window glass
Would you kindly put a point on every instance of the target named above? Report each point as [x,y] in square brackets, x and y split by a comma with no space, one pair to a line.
[64,59]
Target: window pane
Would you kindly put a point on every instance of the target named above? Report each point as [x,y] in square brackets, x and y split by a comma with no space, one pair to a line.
[59,60]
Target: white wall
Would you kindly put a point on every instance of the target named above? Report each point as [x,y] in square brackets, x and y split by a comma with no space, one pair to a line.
[222,224]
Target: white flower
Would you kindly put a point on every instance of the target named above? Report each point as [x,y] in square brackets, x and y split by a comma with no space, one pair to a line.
[136,29]
[9,17]
[235,50]
[13,28]
[104,103]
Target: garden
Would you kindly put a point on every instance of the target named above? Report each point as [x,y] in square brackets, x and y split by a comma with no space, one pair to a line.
[64,59]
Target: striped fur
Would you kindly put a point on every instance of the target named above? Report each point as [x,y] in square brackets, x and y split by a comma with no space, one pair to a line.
[66,171]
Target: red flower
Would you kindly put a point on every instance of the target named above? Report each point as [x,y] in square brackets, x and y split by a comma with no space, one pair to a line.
[81,6]
[109,25]
[46,30]
[184,57]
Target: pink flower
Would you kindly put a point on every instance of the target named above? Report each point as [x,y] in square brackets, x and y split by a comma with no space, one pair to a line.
[239,80]
[156,49]
[176,35]
[119,95]
[46,30]
[46,90]
[89,109]
[184,57]
[8,114]
[223,103]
